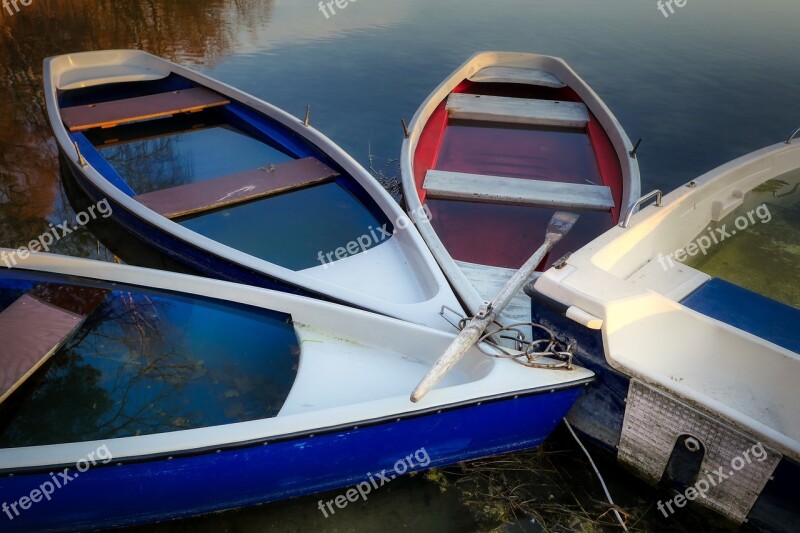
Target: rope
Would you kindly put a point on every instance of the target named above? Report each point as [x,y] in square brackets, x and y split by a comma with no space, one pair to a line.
[599,476]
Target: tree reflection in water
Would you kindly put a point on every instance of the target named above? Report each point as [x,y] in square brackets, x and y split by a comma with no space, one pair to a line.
[149,362]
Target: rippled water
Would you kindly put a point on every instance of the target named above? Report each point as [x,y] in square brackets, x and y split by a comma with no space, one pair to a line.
[714,81]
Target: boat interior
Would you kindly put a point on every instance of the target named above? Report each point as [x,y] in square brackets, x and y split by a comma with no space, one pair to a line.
[505,150]
[90,361]
[215,165]
[720,328]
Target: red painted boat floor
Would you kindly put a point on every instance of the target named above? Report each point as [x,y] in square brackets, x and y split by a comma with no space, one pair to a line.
[518,152]
[503,235]
[506,236]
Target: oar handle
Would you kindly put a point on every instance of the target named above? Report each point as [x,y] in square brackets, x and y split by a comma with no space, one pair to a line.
[468,337]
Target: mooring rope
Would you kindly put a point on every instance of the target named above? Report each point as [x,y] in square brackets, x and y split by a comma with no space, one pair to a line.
[599,476]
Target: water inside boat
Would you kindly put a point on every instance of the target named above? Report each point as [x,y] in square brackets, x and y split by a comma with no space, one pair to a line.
[147,361]
[762,255]
[199,169]
[502,234]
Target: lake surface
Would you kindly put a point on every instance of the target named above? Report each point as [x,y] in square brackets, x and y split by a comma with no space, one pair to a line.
[713,81]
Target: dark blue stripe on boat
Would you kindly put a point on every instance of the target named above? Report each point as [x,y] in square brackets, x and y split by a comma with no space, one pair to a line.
[748,311]
[95,158]
[273,133]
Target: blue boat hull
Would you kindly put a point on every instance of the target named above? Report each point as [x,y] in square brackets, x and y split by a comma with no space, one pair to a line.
[599,413]
[151,490]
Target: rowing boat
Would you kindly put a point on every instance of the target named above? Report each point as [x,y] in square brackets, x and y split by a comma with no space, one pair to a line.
[235,188]
[161,395]
[693,306]
[495,150]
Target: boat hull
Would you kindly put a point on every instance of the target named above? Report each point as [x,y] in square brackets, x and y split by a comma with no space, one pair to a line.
[599,412]
[155,489]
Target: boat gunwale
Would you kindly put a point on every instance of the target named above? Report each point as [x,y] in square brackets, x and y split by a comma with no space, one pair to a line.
[299,435]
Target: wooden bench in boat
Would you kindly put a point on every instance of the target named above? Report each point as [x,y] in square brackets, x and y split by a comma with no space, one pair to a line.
[114,113]
[516,191]
[34,327]
[211,194]
[521,75]
[517,110]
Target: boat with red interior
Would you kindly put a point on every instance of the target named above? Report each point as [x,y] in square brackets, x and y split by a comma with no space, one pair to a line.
[500,145]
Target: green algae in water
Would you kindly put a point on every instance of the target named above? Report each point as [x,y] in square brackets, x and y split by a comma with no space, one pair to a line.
[764,257]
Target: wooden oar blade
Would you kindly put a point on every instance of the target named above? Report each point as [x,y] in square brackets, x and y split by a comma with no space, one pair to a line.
[561,223]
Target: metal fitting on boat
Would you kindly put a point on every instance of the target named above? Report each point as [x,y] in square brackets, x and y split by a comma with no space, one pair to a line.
[657,194]
[692,444]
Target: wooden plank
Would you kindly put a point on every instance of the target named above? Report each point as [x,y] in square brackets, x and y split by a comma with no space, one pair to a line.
[237,188]
[114,113]
[516,191]
[520,75]
[518,110]
[32,331]
[37,325]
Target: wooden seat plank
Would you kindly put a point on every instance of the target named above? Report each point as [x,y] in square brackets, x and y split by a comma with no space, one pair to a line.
[517,110]
[116,112]
[521,75]
[211,194]
[516,191]
[32,331]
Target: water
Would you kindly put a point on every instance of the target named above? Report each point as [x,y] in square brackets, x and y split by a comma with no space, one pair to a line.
[149,362]
[714,81]
[763,252]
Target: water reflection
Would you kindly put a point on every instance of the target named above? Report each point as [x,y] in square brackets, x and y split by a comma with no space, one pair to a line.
[148,362]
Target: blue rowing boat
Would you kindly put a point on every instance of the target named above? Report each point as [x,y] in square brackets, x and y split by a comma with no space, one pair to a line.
[129,396]
[235,188]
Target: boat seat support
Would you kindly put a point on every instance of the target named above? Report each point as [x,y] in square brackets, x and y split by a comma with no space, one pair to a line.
[116,112]
[225,191]
[516,191]
[551,113]
[520,75]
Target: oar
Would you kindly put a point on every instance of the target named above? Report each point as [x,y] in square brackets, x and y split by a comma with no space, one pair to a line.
[561,223]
